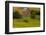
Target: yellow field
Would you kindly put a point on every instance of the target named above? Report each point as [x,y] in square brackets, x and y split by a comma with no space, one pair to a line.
[19,23]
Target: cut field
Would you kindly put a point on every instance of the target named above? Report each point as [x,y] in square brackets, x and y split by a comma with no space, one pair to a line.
[20,23]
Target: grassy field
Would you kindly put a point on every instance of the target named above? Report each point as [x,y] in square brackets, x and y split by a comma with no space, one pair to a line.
[20,23]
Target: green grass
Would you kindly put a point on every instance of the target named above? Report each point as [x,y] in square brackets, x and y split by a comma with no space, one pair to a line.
[19,23]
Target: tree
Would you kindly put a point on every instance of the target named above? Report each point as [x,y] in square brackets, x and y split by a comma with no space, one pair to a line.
[32,14]
[16,15]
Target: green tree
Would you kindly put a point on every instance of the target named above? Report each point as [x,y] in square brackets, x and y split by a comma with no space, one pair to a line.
[16,15]
[32,14]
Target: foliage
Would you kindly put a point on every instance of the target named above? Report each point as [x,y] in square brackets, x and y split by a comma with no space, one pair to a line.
[32,14]
[16,15]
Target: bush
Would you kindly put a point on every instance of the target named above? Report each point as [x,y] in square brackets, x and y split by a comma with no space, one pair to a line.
[16,15]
